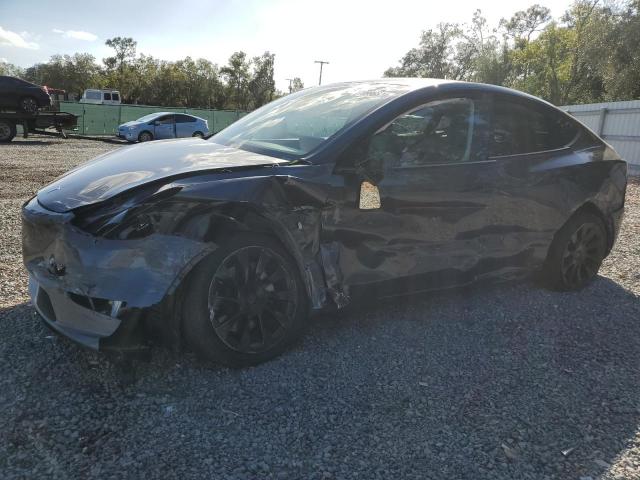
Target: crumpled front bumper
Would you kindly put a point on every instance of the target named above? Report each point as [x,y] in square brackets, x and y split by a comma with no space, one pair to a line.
[95,290]
[70,319]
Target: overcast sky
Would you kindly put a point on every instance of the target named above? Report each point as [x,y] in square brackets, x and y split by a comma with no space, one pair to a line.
[360,38]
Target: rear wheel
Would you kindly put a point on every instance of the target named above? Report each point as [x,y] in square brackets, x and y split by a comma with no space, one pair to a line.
[245,303]
[145,136]
[7,131]
[28,105]
[576,253]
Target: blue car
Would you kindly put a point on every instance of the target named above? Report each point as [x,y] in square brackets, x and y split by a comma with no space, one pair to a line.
[162,125]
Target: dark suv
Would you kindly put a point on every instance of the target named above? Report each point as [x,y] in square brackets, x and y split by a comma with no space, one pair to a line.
[20,94]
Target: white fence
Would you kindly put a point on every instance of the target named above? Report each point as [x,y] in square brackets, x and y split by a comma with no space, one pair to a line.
[618,123]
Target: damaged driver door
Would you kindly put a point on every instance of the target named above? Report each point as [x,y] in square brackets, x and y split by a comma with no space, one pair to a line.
[418,201]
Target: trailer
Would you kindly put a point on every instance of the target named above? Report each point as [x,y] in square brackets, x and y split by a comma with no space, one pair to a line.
[37,122]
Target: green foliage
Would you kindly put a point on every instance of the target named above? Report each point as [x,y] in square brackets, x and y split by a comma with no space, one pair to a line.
[125,52]
[237,74]
[591,54]
[10,69]
[261,85]
[296,84]
[142,79]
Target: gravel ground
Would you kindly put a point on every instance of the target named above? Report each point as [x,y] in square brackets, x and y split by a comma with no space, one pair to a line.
[507,382]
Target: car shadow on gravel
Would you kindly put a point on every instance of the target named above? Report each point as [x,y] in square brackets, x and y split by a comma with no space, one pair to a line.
[507,381]
[558,372]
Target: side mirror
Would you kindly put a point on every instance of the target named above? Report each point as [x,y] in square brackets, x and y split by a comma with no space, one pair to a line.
[369,197]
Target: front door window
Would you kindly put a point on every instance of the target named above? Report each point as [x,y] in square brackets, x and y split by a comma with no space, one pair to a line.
[439,132]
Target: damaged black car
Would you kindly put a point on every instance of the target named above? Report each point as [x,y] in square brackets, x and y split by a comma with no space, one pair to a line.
[377,188]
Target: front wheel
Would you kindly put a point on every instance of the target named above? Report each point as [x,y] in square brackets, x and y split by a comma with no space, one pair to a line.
[145,136]
[245,303]
[198,134]
[576,253]
[7,131]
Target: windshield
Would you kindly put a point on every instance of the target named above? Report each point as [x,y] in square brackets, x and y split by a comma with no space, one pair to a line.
[296,124]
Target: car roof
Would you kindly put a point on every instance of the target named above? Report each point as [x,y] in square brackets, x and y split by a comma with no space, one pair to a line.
[17,78]
[157,114]
[416,84]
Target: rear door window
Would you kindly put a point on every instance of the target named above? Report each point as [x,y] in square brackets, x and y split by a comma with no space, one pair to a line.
[184,119]
[519,128]
[165,120]
[107,96]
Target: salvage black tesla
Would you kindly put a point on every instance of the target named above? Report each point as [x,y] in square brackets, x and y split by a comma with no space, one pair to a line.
[380,188]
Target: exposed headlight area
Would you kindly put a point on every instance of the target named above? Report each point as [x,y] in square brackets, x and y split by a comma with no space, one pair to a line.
[130,217]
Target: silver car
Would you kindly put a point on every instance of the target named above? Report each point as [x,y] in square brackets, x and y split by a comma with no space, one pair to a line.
[161,125]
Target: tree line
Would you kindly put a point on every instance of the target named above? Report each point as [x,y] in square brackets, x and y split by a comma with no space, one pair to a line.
[591,54]
[243,83]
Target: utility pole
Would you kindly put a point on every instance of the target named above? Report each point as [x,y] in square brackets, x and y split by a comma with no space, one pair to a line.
[290,84]
[321,62]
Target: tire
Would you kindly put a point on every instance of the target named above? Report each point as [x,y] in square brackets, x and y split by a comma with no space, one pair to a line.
[245,303]
[198,134]
[145,136]
[576,253]
[7,131]
[28,105]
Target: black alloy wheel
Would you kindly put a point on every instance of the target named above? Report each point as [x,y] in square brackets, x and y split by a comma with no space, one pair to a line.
[245,303]
[576,253]
[583,255]
[252,300]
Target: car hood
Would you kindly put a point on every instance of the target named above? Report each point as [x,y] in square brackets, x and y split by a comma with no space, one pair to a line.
[128,167]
